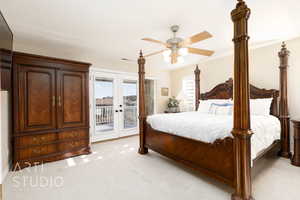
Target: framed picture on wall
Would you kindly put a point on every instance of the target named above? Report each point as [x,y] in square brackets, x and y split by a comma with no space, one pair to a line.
[164,92]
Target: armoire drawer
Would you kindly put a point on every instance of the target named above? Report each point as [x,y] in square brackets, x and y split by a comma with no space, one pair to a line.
[66,146]
[37,151]
[31,140]
[73,134]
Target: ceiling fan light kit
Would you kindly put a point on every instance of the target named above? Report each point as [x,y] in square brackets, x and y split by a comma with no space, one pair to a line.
[183,51]
[176,47]
[167,59]
[167,53]
[180,60]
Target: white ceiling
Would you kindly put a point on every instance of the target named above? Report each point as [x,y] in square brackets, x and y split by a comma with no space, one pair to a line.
[112,29]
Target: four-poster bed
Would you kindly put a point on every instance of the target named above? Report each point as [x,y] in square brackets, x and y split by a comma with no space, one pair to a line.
[227,159]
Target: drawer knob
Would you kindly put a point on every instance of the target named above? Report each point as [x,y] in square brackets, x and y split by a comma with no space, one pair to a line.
[39,139]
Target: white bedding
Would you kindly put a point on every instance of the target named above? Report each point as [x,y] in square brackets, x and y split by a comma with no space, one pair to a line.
[208,128]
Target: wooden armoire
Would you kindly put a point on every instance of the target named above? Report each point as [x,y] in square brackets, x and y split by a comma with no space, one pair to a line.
[50,108]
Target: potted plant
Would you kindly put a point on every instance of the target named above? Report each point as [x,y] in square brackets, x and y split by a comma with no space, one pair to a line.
[173,105]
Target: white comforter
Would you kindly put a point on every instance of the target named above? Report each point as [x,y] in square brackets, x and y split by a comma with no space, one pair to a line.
[208,128]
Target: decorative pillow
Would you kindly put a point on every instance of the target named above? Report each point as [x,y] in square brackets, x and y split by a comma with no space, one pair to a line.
[204,105]
[221,109]
[260,106]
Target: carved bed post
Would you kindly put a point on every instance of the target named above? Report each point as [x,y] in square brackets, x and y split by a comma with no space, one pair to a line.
[142,114]
[241,125]
[283,103]
[197,87]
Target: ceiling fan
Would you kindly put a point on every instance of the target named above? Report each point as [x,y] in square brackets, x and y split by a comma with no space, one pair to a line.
[176,47]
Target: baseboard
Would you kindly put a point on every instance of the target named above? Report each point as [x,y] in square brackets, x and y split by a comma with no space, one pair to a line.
[113,139]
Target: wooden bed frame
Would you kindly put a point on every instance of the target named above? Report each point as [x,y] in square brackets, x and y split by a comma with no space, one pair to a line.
[227,160]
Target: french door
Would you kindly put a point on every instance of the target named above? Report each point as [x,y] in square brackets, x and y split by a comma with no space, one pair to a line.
[114,105]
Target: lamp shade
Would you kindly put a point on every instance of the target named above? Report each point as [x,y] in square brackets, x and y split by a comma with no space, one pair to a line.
[167,53]
[167,59]
[180,60]
[183,51]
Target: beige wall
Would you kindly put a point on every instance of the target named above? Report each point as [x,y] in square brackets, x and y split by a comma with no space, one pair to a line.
[264,72]
[59,50]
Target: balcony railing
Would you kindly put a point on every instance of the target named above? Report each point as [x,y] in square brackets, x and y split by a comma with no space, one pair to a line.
[105,115]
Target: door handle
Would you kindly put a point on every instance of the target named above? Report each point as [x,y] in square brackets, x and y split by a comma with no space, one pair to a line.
[59,101]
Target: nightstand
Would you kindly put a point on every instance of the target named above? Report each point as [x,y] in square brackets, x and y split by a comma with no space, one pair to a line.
[296,156]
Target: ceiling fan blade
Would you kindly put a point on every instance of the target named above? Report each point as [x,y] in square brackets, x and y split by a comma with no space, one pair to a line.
[200,51]
[173,58]
[196,38]
[155,41]
[154,53]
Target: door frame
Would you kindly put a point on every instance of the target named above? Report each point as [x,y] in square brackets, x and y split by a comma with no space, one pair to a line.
[96,72]
[130,131]
[155,91]
[108,134]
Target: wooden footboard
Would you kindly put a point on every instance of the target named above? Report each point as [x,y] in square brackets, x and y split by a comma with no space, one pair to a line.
[216,160]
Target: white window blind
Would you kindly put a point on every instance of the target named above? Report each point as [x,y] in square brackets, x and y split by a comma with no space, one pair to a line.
[188,87]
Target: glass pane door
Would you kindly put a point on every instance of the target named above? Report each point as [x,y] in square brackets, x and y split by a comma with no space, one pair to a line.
[115,104]
[129,118]
[129,104]
[105,116]
[104,105]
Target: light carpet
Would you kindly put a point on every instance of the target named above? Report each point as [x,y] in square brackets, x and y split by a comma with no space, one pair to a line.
[115,171]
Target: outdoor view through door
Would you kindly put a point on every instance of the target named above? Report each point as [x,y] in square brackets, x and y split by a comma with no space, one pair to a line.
[115,110]
[115,104]
[130,104]
[104,104]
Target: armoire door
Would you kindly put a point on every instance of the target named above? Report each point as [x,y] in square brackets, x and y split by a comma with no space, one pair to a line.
[37,98]
[72,99]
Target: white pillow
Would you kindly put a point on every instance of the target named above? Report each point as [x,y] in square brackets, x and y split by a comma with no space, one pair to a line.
[204,105]
[221,109]
[260,106]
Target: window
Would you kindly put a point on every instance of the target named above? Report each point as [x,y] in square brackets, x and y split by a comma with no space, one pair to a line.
[188,88]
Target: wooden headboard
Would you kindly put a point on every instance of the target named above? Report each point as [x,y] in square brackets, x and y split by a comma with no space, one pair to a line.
[225,91]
